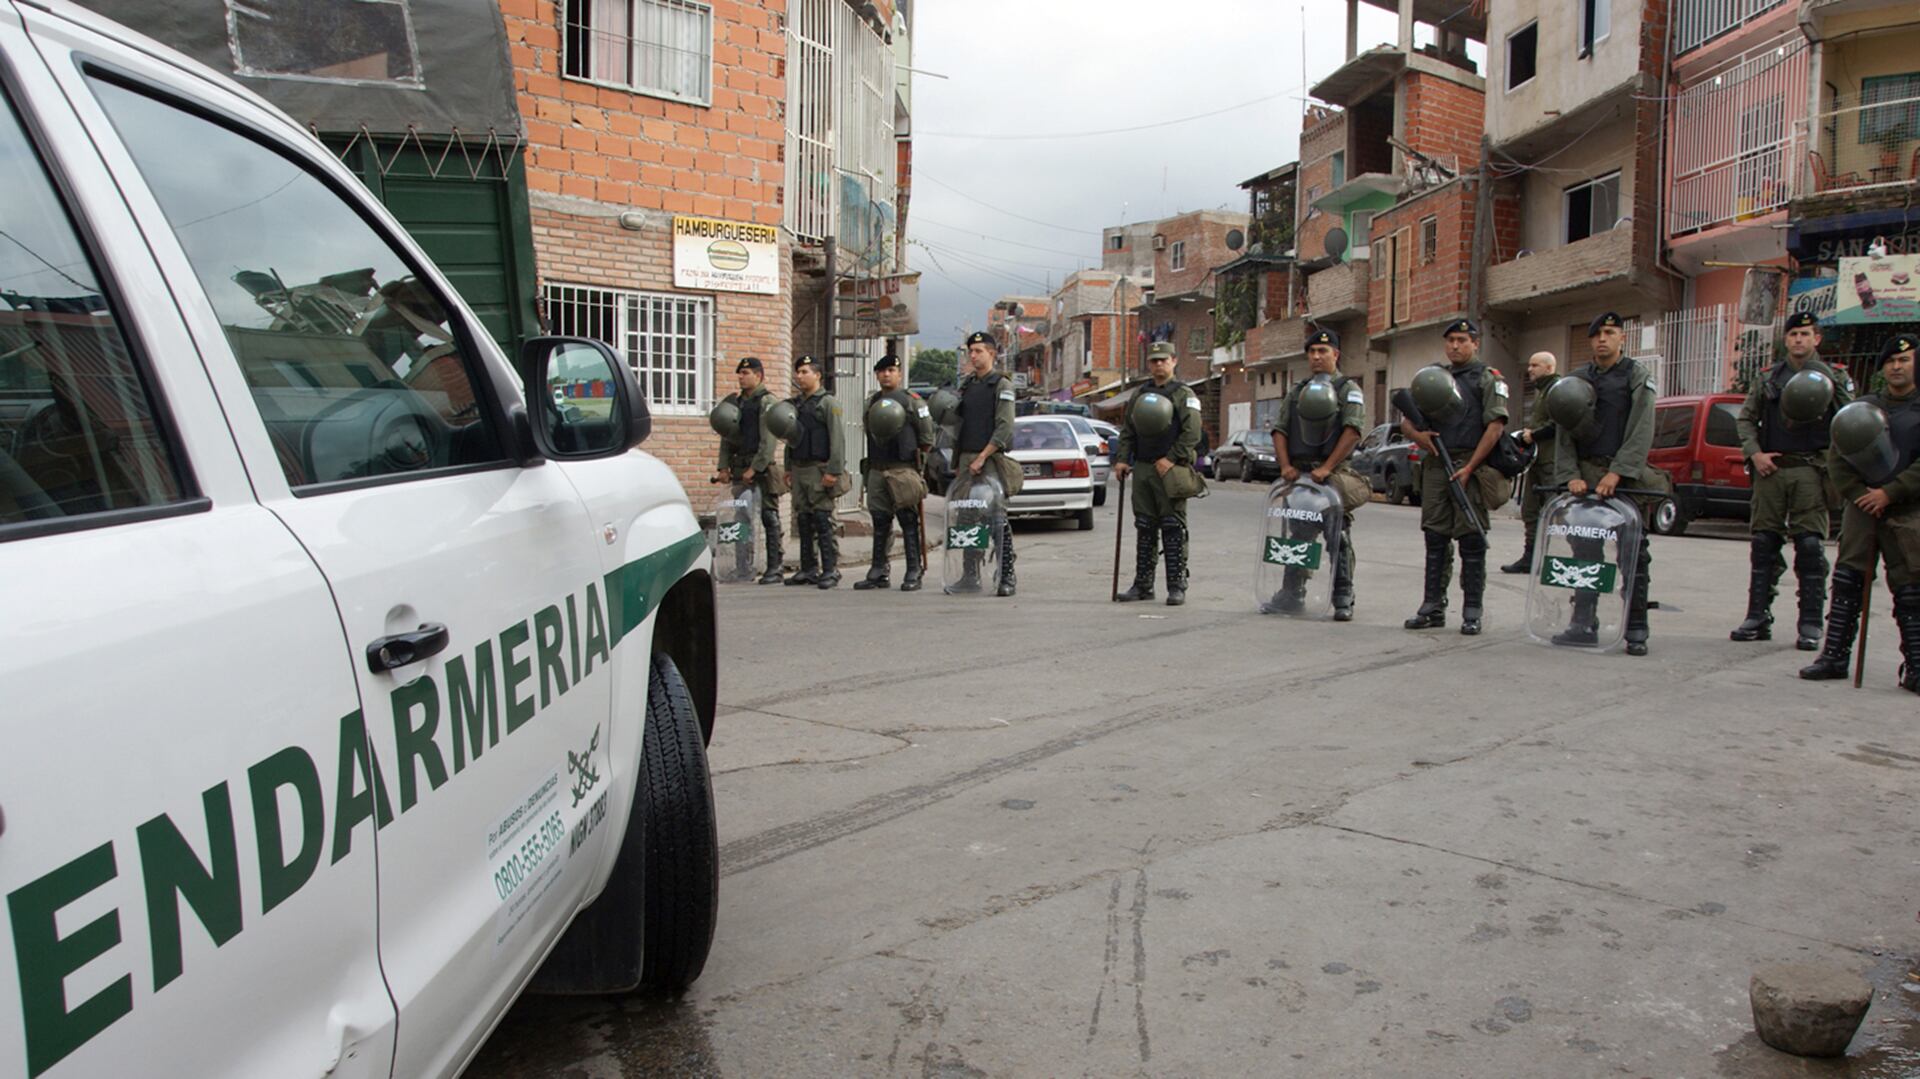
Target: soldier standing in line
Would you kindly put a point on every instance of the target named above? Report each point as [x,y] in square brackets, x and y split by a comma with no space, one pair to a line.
[815,459]
[746,459]
[985,417]
[1783,435]
[1160,430]
[1320,449]
[1543,370]
[1610,452]
[1880,522]
[899,430]
[1466,401]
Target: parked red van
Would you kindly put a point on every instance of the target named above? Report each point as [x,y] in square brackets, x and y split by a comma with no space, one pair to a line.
[1696,441]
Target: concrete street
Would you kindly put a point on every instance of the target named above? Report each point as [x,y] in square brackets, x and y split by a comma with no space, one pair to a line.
[1053,836]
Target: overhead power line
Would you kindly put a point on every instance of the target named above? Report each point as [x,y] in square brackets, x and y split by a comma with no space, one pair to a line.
[998,136]
[922,175]
[918,219]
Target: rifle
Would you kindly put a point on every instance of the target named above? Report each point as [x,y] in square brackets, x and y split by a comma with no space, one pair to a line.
[1119,529]
[1403,400]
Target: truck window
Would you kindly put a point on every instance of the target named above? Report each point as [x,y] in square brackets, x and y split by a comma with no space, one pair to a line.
[356,364]
[1672,426]
[78,432]
[1721,429]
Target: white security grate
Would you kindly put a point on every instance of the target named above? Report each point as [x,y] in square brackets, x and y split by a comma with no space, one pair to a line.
[667,339]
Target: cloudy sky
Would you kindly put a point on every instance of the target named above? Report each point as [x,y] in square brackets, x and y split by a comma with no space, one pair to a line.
[993,215]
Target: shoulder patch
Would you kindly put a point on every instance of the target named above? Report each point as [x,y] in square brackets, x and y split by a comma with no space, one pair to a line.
[1006,394]
[1500,387]
[924,414]
[1355,397]
[1193,403]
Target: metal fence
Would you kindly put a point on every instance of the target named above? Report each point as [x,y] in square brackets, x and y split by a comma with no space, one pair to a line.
[1733,137]
[1696,22]
[1858,143]
[1700,349]
[810,190]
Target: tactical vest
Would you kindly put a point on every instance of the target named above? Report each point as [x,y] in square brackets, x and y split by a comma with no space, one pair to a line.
[1612,405]
[1461,434]
[1903,426]
[1152,449]
[904,447]
[814,443]
[1301,452]
[747,442]
[1776,434]
[979,400]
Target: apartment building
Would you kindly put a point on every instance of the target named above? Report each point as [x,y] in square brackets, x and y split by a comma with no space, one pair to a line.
[1090,334]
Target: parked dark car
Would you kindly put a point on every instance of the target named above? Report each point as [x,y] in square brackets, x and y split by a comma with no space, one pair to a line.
[1247,455]
[1387,459]
[1695,440]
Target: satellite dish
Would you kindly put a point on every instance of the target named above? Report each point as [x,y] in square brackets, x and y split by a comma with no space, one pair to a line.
[1235,239]
[1336,241]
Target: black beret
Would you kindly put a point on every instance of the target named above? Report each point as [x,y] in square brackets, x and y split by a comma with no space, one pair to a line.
[979,338]
[884,362]
[1324,337]
[751,363]
[807,361]
[1898,343]
[1803,318]
[1461,325]
[1601,322]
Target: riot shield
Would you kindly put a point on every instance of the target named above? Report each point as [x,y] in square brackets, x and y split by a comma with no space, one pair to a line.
[734,538]
[1299,550]
[1585,556]
[969,527]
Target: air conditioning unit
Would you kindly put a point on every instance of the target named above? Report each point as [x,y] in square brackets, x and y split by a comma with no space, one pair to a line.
[1159,242]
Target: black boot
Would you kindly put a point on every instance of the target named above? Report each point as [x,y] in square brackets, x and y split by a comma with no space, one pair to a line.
[1843,620]
[910,540]
[1173,536]
[1906,611]
[1342,588]
[1290,598]
[1433,601]
[1473,582]
[770,524]
[1583,631]
[809,569]
[1810,565]
[1146,559]
[1006,559]
[1637,602]
[1763,556]
[1523,564]
[882,539]
[829,548]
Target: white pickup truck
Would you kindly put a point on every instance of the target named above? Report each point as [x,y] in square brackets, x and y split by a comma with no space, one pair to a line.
[352,677]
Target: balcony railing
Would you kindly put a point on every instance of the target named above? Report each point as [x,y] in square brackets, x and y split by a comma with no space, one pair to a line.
[1854,147]
[1696,22]
[1732,138]
[1605,256]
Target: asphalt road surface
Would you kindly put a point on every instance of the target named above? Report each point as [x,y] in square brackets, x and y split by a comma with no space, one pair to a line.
[1054,836]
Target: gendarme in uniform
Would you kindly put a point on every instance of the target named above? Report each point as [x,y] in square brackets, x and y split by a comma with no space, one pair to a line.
[1542,369]
[985,414]
[746,459]
[1323,454]
[1160,497]
[1788,461]
[892,472]
[816,458]
[1879,524]
[1613,455]
[1469,435]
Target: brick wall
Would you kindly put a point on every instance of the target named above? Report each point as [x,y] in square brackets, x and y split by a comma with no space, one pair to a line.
[1321,138]
[1236,387]
[1204,236]
[1445,119]
[1648,235]
[593,152]
[1436,289]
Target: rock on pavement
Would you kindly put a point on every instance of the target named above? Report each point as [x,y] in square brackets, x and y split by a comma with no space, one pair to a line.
[1808,1009]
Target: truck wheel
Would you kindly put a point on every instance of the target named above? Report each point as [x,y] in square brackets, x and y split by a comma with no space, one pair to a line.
[1669,519]
[683,847]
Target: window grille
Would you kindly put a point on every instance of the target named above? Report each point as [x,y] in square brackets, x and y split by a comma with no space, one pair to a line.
[667,339]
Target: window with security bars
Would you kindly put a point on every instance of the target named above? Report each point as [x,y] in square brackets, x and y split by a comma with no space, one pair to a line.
[1891,123]
[667,339]
[659,47]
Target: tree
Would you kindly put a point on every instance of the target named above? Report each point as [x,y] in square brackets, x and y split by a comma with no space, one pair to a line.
[933,367]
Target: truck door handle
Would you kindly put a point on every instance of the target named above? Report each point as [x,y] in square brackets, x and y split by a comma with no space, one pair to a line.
[389,653]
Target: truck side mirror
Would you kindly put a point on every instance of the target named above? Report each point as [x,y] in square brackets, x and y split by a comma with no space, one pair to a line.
[584,400]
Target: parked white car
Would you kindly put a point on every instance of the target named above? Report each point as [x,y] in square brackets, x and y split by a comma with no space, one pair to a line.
[346,667]
[1099,453]
[1059,480]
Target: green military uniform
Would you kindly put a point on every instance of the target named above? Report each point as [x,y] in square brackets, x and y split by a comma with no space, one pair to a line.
[1296,447]
[1865,540]
[817,450]
[1792,503]
[984,417]
[1625,397]
[1439,511]
[1482,394]
[1160,508]
[751,448]
[1538,475]
[895,488]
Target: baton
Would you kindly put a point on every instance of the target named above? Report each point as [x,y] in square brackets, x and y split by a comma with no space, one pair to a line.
[1119,518]
[1866,615]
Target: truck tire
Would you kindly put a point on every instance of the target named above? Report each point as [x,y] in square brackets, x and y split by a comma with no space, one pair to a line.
[682,892]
